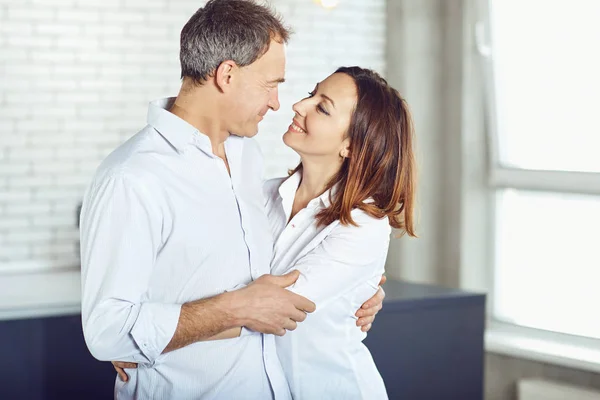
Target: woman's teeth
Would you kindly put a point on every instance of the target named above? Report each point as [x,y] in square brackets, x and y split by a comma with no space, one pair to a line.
[297,128]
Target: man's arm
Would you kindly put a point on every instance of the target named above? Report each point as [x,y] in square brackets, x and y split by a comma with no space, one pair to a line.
[120,239]
[366,315]
[202,320]
[263,306]
[121,228]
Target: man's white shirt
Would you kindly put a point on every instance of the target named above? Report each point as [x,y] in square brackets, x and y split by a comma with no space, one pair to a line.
[162,224]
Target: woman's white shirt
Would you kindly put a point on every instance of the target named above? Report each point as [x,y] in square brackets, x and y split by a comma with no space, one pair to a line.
[340,268]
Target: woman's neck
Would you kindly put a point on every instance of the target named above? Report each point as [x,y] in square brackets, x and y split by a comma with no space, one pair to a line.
[314,180]
[315,177]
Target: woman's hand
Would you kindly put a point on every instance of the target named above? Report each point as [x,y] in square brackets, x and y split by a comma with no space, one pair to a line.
[366,313]
[120,368]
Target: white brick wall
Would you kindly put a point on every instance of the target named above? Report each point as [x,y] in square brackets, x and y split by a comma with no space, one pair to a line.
[76,77]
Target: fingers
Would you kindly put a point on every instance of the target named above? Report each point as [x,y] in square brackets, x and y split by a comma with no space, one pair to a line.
[302,303]
[285,280]
[369,312]
[279,327]
[123,364]
[121,373]
[279,332]
[119,367]
[297,315]
[366,328]
[383,280]
[375,300]
[290,325]
[365,321]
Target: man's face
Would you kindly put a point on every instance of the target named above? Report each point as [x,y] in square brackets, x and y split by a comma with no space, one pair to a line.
[256,90]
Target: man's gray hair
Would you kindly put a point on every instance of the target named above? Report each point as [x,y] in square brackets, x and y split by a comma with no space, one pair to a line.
[237,30]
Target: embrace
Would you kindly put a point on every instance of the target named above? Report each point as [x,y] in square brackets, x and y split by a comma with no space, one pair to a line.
[202,281]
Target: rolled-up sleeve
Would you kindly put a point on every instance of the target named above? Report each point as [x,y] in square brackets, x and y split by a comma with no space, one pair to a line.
[121,228]
[348,257]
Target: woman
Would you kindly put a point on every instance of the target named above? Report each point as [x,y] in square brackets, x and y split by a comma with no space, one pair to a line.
[331,220]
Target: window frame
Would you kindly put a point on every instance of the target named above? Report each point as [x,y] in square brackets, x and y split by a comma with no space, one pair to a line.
[503,337]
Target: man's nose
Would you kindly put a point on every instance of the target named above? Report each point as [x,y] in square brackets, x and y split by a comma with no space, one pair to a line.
[274,100]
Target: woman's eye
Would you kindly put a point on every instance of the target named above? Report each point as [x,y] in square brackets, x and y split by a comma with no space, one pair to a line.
[311,94]
[321,109]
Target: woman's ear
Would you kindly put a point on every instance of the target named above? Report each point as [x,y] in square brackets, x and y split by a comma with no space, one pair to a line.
[345,152]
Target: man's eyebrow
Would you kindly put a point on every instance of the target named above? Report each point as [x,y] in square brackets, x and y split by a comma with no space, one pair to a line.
[278,80]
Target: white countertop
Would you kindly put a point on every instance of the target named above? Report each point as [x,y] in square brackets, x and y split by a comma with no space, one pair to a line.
[40,294]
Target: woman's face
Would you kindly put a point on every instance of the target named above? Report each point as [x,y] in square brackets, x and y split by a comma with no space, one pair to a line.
[321,122]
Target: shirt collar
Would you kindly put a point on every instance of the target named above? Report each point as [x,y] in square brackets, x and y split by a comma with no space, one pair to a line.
[174,129]
[325,197]
[288,188]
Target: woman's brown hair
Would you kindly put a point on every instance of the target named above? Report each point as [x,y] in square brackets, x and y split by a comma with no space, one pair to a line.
[381,161]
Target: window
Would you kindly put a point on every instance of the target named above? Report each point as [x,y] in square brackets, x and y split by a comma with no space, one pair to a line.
[544,108]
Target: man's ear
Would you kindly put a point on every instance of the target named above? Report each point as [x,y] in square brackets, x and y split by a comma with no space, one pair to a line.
[224,75]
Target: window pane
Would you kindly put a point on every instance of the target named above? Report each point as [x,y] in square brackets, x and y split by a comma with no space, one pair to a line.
[546,66]
[547,272]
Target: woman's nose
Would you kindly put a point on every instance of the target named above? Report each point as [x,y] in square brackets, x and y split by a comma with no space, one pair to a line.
[299,108]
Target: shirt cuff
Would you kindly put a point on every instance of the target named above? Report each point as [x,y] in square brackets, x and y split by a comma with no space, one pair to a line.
[154,328]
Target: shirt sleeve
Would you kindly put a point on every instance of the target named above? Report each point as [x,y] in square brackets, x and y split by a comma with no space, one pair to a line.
[348,257]
[120,239]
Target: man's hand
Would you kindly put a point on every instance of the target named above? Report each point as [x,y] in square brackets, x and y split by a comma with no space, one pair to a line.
[366,313]
[120,368]
[266,306]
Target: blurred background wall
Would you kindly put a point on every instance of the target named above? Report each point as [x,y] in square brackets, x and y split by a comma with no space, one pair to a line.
[76,78]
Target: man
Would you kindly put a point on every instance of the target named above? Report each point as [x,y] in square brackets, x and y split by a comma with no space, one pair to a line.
[173,222]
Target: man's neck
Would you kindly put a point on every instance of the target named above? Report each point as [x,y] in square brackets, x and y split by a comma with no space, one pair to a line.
[198,108]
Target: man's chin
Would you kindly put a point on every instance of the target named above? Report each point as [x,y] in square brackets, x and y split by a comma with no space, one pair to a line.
[248,134]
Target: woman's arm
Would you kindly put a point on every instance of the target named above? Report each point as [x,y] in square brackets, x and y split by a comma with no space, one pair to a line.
[369,309]
[346,258]
[228,334]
